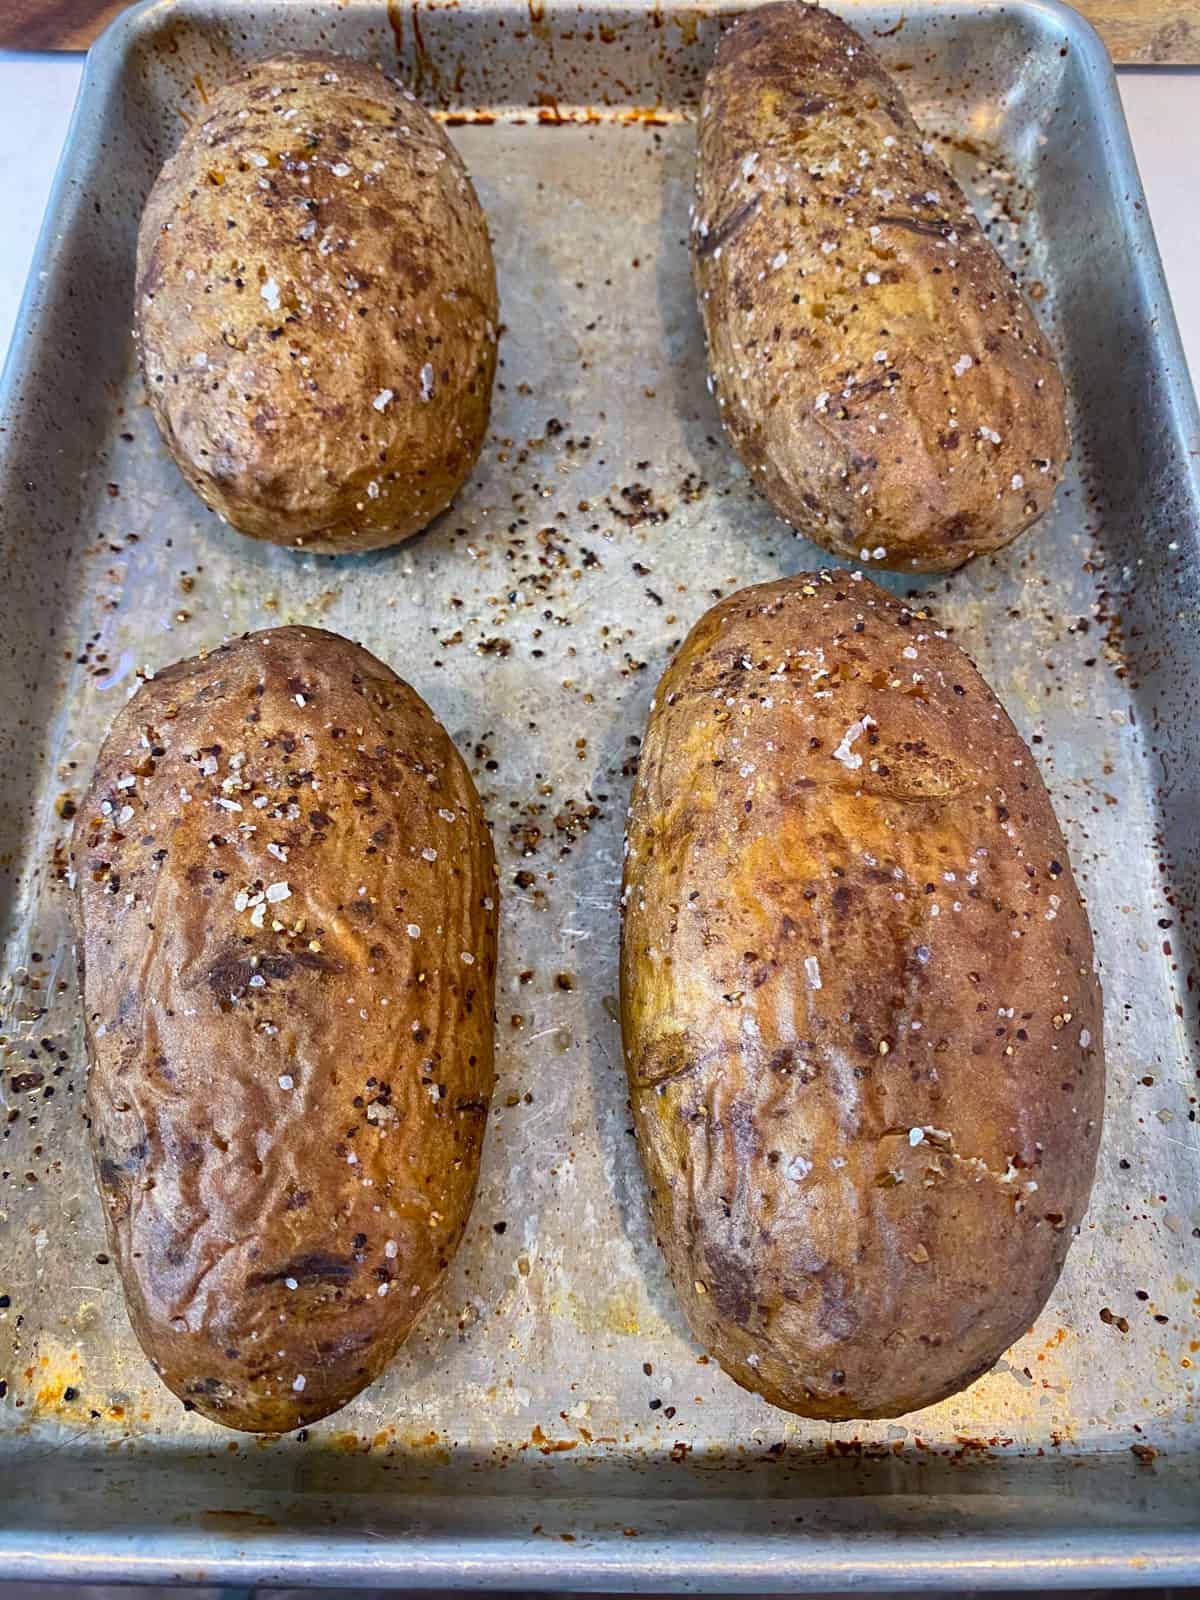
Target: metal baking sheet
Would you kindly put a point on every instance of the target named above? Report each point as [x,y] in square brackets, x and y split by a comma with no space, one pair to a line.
[550,1422]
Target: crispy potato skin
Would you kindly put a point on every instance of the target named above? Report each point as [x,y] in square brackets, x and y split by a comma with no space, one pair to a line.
[862,1027]
[875,364]
[316,307]
[287,1100]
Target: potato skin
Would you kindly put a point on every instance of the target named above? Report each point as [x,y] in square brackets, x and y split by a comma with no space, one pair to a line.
[287,1098]
[316,307]
[862,1027]
[875,364]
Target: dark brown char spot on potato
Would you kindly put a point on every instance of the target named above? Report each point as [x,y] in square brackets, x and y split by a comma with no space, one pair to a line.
[317,1267]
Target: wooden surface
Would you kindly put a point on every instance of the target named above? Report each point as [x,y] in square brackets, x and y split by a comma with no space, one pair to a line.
[1134,30]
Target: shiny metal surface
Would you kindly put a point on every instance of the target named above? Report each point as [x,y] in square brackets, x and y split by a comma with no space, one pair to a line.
[516,1439]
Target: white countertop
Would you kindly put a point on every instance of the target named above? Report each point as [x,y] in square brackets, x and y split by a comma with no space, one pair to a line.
[1161,105]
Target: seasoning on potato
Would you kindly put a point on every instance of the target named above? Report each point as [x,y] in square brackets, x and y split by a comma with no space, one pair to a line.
[287,941]
[862,1027]
[875,364]
[316,307]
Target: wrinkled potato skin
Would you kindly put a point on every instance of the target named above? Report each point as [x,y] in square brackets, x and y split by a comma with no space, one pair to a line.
[819,959]
[814,285]
[263,368]
[255,1224]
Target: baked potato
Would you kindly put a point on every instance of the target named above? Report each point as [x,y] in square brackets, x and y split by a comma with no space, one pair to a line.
[874,362]
[287,937]
[316,307]
[862,1027]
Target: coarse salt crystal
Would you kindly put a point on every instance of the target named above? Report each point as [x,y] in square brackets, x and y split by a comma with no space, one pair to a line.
[270,293]
[277,892]
[390,1248]
[963,364]
[290,1283]
[812,971]
[286,1081]
[848,757]
[298,1382]
[414,930]
[382,400]
[427,382]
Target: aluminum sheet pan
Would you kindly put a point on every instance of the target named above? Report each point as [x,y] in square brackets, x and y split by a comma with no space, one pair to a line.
[551,1422]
